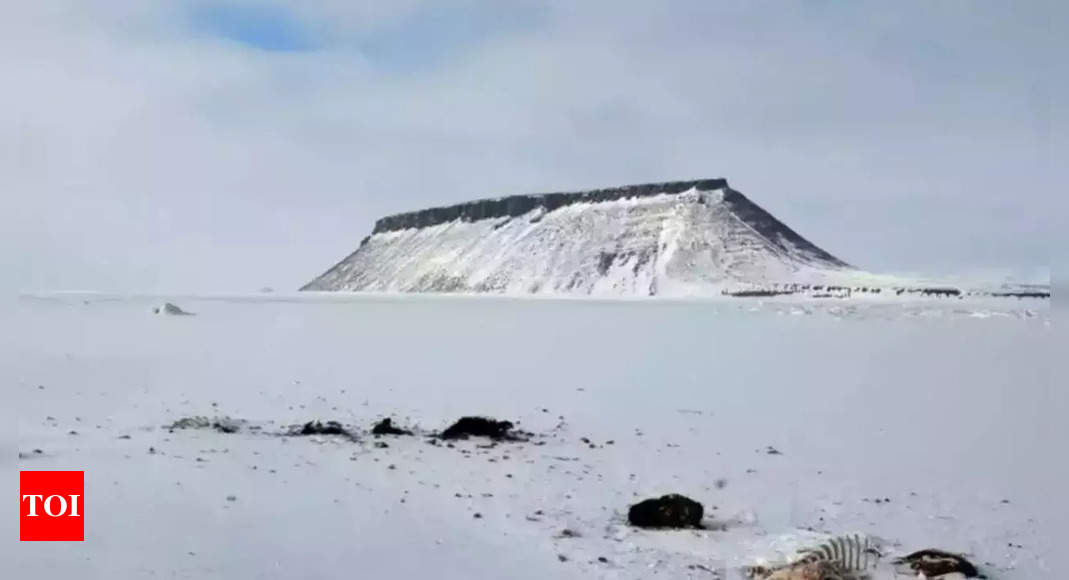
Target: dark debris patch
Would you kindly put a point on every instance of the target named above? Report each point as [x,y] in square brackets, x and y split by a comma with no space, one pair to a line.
[934,563]
[386,427]
[220,424]
[319,428]
[492,429]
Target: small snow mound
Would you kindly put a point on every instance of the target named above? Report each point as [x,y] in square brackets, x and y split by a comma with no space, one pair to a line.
[171,309]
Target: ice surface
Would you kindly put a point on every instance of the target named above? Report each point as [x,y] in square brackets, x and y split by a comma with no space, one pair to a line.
[948,408]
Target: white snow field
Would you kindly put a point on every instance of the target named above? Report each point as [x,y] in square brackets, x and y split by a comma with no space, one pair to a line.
[947,409]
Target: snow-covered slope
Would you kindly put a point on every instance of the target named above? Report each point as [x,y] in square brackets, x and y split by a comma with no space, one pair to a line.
[948,413]
[678,238]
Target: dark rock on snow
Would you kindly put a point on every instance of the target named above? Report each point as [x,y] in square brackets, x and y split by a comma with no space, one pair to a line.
[483,427]
[933,563]
[221,424]
[668,511]
[328,428]
[386,427]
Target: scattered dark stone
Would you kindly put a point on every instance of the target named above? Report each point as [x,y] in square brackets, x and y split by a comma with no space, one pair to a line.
[220,424]
[562,557]
[381,444]
[721,483]
[756,293]
[569,533]
[151,450]
[124,437]
[226,426]
[37,452]
[72,432]
[40,387]
[603,559]
[773,451]
[328,428]
[934,563]
[668,511]
[231,498]
[1020,295]
[484,427]
[477,515]
[386,427]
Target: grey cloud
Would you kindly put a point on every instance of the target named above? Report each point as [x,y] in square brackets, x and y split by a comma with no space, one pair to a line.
[912,136]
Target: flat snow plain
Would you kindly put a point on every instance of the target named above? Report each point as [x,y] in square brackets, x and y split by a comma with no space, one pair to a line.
[946,408]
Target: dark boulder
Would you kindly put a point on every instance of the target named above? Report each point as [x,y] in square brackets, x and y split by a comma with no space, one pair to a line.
[483,427]
[668,511]
[328,428]
[386,427]
[934,563]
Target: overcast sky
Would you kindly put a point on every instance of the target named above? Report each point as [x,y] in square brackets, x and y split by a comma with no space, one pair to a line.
[229,145]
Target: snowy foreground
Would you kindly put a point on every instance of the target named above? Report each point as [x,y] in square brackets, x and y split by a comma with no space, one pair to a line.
[947,410]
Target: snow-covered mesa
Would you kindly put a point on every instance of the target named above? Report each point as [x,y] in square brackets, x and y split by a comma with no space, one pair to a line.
[693,238]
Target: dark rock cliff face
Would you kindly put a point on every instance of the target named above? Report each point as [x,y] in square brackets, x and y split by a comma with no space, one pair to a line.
[518,205]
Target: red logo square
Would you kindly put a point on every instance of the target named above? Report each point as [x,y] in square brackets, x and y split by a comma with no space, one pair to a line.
[51,506]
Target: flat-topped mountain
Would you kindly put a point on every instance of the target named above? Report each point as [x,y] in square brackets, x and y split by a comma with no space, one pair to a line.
[677,238]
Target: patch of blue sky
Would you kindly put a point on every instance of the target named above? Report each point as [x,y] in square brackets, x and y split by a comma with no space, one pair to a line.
[265,27]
